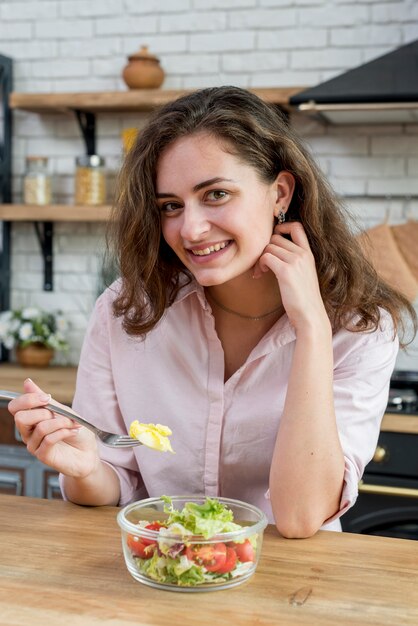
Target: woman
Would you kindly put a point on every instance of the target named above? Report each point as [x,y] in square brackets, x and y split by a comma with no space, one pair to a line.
[246,319]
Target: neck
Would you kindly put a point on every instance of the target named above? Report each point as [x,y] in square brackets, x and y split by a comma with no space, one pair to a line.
[248,297]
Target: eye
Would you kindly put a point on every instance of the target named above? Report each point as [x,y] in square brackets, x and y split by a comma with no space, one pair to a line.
[169,207]
[217,194]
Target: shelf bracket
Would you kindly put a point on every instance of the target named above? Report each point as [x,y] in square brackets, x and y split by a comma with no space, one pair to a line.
[87,124]
[45,234]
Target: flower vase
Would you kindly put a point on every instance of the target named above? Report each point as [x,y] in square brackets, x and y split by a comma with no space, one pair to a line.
[34,355]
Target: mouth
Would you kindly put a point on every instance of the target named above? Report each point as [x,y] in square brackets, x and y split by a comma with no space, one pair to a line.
[210,250]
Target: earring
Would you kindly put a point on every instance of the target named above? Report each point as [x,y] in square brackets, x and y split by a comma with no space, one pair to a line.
[281,218]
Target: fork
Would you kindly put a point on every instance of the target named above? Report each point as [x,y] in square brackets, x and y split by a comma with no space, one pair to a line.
[109,439]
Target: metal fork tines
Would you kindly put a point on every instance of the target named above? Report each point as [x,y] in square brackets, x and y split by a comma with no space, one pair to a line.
[109,439]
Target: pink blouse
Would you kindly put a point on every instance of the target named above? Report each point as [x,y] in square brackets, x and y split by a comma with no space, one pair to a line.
[223,433]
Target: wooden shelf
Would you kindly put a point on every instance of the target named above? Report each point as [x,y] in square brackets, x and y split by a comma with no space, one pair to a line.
[54,213]
[57,380]
[126,101]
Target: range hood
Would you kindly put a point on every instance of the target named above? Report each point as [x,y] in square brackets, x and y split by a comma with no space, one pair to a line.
[384,90]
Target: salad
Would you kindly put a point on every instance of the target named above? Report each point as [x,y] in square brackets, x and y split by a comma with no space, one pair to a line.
[177,557]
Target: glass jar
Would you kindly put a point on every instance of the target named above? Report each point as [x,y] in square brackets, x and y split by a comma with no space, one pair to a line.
[90,180]
[37,181]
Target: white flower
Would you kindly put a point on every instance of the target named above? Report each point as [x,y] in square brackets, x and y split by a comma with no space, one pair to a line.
[26,331]
[30,313]
[6,316]
[9,343]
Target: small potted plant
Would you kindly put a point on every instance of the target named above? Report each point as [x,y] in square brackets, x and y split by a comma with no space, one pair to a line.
[34,334]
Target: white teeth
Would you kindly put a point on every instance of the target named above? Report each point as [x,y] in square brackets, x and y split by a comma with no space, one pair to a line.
[206,251]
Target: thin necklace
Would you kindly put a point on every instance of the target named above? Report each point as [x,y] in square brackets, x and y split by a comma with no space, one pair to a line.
[245,317]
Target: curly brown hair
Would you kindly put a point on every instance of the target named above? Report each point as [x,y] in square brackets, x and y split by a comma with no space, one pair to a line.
[260,136]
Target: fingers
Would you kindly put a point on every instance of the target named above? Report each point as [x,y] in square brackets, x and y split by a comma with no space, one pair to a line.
[269,261]
[279,244]
[30,387]
[28,410]
[286,252]
[296,232]
[49,432]
[28,401]
[28,421]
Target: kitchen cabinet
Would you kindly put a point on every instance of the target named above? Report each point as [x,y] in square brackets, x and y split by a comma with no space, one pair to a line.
[20,472]
[387,504]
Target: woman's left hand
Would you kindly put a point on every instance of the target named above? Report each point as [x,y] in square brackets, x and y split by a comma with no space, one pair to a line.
[293,264]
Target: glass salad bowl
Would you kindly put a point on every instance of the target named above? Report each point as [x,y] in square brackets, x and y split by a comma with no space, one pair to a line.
[190,543]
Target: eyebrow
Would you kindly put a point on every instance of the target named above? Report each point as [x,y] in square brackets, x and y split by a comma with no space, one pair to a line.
[199,186]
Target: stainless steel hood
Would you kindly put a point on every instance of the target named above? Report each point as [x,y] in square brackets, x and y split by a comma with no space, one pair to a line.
[384,90]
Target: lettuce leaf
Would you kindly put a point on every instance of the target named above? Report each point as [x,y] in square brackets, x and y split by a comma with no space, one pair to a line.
[207,519]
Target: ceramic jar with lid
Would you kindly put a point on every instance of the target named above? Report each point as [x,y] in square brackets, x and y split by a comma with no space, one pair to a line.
[143,70]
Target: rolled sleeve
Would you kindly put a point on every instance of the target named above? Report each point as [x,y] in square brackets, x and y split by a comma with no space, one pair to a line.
[349,492]
[361,387]
[348,496]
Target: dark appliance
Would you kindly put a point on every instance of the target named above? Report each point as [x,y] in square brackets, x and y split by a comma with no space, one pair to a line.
[382,90]
[387,504]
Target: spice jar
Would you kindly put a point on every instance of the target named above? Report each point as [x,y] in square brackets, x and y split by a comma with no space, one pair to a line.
[37,181]
[90,180]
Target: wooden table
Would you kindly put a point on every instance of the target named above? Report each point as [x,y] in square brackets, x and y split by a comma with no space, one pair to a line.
[62,564]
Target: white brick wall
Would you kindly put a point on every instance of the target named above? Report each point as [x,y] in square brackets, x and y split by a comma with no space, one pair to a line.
[74,45]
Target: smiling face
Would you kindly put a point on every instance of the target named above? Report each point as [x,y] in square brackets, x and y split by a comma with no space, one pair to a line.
[217,215]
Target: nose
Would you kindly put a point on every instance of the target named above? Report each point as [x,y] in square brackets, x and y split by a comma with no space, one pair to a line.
[194,223]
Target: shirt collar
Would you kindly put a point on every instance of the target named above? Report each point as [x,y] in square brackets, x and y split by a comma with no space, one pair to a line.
[190,288]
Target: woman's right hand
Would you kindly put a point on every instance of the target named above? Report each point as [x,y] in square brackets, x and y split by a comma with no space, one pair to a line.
[57,441]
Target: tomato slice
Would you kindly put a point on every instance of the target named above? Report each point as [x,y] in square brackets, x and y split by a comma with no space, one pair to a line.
[244,551]
[211,556]
[139,548]
[230,562]
[153,526]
